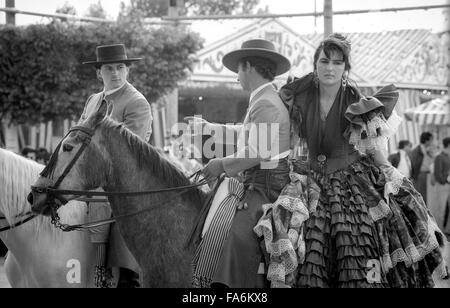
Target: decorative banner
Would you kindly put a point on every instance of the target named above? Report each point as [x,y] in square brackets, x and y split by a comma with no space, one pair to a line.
[287,42]
[415,58]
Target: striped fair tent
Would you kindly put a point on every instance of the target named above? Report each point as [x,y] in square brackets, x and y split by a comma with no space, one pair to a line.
[435,112]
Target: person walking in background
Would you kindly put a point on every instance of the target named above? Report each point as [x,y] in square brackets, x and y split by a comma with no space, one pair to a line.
[441,174]
[421,160]
[401,160]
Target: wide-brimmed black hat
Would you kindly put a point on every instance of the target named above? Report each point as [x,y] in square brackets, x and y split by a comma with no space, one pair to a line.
[112,54]
[257,48]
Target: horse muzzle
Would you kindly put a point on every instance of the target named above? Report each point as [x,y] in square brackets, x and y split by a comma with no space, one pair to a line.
[38,200]
[42,202]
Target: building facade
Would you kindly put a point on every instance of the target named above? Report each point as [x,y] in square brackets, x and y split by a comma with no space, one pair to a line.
[416,61]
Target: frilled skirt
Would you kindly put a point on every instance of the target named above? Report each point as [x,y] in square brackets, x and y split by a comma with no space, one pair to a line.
[355,238]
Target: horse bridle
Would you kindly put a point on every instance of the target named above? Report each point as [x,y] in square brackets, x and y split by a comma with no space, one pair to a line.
[55,199]
[54,196]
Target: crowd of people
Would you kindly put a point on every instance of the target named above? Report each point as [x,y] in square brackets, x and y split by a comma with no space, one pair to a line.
[429,169]
[40,155]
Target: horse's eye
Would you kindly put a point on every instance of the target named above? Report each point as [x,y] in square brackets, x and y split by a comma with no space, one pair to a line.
[67,147]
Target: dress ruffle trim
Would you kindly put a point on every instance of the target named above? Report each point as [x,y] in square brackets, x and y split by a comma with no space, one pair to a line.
[375,133]
[394,181]
[281,226]
[380,211]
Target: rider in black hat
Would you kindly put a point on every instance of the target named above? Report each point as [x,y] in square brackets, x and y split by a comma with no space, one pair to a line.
[129,106]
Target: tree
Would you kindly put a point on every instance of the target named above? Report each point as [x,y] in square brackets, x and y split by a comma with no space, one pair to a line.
[158,8]
[67,8]
[150,8]
[218,7]
[42,77]
[96,10]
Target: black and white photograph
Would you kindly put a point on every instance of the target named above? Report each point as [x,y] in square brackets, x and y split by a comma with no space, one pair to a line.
[230,147]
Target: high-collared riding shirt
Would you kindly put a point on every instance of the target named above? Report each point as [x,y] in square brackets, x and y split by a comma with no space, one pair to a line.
[110,92]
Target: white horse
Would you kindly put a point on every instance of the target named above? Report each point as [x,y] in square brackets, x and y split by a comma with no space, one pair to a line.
[41,256]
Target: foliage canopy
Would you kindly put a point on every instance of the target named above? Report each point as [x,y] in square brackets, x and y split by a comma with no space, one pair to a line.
[43,77]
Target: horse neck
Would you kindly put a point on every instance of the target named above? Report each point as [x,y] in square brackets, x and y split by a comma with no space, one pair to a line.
[126,174]
[133,170]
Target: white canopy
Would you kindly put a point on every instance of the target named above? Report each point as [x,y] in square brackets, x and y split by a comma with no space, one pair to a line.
[434,112]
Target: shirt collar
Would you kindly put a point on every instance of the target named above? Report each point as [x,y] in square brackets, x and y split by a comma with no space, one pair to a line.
[259,89]
[107,93]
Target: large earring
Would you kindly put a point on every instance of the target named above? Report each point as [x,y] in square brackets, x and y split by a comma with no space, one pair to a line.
[344,81]
[316,79]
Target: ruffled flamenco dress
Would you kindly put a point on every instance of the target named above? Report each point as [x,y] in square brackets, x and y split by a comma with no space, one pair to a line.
[344,221]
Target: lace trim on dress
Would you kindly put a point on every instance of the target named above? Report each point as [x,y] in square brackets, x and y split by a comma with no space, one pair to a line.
[394,181]
[410,255]
[380,211]
[374,133]
[283,220]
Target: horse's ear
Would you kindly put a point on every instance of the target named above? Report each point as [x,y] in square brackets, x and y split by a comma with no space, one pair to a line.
[101,113]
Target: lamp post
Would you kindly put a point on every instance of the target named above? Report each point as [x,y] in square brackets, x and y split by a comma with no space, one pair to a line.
[328,17]
[10,17]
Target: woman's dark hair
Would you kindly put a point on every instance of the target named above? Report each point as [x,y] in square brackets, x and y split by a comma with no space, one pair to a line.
[335,43]
[265,67]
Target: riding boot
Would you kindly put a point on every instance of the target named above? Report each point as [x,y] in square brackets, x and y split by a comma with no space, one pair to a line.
[128,279]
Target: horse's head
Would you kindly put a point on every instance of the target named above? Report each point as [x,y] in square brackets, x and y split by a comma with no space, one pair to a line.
[76,164]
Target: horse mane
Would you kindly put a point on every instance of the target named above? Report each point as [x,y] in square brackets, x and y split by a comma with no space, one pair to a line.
[17,174]
[152,159]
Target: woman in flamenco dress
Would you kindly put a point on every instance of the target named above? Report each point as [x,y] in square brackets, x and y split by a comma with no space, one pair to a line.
[348,219]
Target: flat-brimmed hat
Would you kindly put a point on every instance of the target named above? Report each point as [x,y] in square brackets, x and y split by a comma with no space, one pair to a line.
[257,48]
[111,54]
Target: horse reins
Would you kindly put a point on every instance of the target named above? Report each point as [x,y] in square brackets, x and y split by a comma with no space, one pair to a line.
[82,227]
[17,224]
[55,194]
